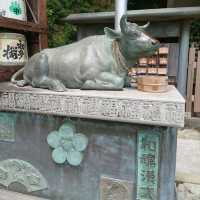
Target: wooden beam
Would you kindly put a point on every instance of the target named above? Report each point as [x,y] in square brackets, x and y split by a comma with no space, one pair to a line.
[22,25]
[42,18]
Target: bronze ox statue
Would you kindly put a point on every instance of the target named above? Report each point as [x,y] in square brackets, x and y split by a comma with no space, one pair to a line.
[96,62]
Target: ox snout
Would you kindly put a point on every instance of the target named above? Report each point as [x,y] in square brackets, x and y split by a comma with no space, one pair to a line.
[155,43]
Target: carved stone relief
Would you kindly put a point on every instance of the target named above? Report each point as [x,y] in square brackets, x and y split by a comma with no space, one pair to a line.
[67,144]
[127,108]
[148,152]
[7,127]
[9,195]
[19,171]
[114,189]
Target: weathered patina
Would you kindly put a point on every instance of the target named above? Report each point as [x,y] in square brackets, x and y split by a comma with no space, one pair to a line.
[68,145]
[96,62]
[21,172]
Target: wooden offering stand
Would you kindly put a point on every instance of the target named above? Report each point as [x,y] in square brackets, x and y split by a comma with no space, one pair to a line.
[152,83]
[152,72]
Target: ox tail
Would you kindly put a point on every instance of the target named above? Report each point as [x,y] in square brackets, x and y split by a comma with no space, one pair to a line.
[20,83]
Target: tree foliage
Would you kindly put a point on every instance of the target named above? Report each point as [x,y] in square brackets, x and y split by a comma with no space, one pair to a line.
[60,34]
[144,4]
[195,32]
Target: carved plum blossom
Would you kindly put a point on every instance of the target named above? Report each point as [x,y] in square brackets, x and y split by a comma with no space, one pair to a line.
[67,144]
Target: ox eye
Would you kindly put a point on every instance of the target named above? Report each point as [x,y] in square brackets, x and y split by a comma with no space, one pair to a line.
[135,35]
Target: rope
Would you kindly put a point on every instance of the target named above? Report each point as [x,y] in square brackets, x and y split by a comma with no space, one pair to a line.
[121,65]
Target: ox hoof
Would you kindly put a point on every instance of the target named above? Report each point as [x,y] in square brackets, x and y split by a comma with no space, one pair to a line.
[89,84]
[59,89]
[21,83]
[58,86]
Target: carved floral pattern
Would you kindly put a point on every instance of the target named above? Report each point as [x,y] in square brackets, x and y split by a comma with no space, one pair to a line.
[67,144]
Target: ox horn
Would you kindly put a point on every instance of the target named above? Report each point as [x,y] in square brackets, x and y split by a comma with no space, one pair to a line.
[123,24]
[145,26]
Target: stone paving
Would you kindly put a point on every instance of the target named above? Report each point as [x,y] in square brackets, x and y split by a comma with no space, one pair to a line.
[188,165]
[188,191]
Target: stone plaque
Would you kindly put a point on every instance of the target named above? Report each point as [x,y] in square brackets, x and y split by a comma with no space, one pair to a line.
[19,171]
[148,164]
[7,127]
[9,195]
[131,106]
[114,189]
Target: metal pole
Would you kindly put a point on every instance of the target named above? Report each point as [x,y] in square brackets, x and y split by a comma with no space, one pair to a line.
[120,9]
[183,58]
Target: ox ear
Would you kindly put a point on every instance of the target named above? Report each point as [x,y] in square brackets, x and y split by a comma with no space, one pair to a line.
[111,33]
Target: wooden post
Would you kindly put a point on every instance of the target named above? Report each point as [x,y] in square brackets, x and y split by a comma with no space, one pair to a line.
[190,81]
[183,57]
[42,19]
[197,88]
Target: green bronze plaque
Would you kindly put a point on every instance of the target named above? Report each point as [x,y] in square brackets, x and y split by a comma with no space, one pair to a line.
[7,127]
[148,148]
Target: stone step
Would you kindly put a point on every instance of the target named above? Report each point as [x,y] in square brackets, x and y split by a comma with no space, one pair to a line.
[188,191]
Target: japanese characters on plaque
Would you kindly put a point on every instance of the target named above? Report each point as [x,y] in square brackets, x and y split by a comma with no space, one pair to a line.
[13,49]
[15,9]
[7,127]
[148,164]
[128,110]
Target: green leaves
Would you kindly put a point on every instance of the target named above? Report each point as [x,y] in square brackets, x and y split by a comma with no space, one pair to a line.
[67,144]
[195,32]
[61,34]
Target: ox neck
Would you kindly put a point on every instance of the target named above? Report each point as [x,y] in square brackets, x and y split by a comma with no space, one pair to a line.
[130,60]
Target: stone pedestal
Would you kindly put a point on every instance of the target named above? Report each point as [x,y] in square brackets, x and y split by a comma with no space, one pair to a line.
[131,141]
